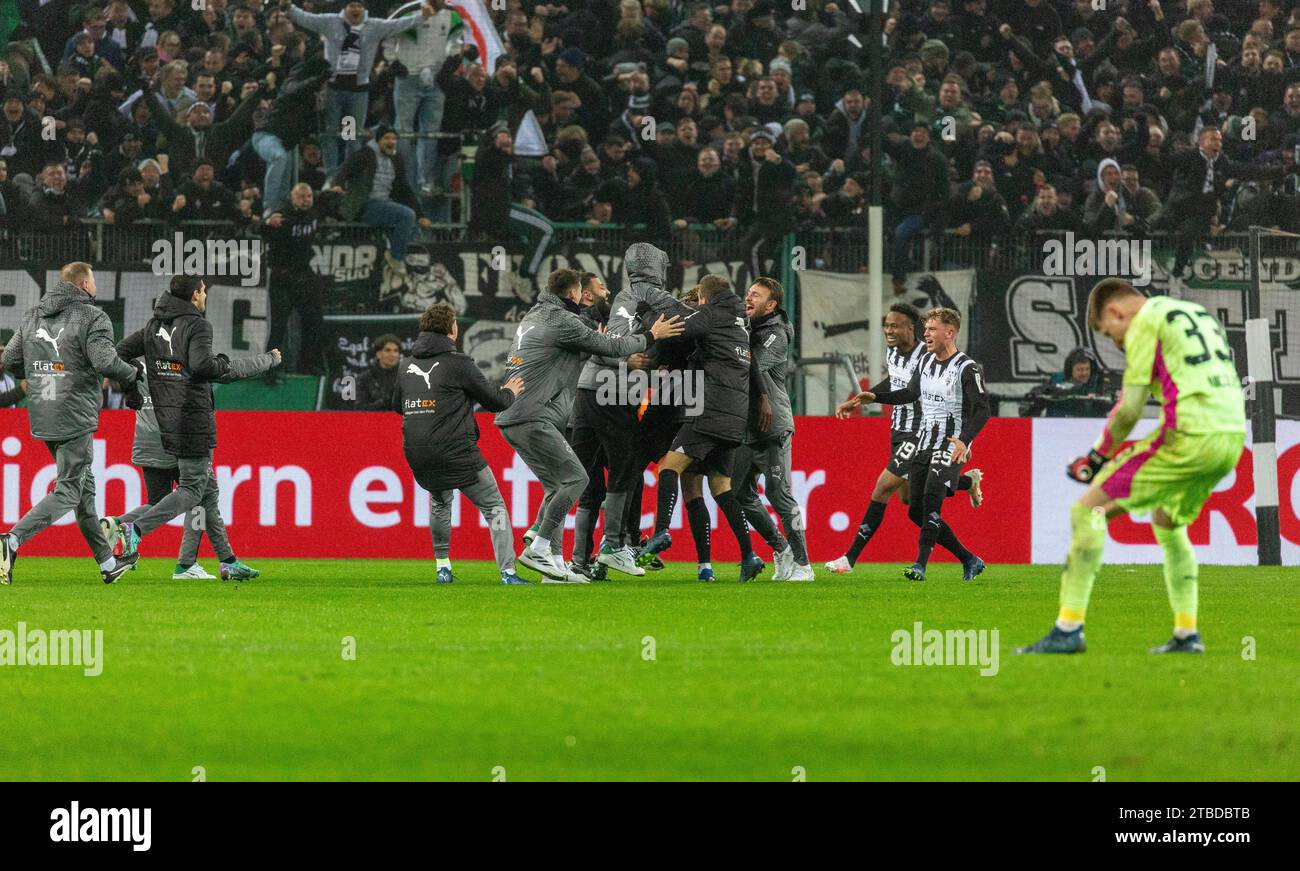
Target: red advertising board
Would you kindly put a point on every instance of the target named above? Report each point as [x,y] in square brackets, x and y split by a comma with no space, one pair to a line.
[326,485]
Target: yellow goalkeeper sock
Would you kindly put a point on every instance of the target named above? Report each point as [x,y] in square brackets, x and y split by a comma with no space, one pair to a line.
[1181,572]
[1081,565]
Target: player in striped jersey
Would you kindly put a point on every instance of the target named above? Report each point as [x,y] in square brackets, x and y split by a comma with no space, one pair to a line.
[954,408]
[904,351]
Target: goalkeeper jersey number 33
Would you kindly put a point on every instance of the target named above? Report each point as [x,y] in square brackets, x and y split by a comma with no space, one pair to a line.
[1181,352]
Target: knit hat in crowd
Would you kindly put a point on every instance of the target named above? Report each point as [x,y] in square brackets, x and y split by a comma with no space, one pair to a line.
[573,56]
[779,63]
[677,44]
[934,49]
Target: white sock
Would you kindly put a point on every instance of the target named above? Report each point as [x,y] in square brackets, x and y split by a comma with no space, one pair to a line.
[13,542]
[1181,633]
[541,545]
[1068,625]
[443,563]
[708,566]
[108,566]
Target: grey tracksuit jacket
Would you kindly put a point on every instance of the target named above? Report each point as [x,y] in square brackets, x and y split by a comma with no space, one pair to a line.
[63,347]
[769,342]
[547,354]
[147,451]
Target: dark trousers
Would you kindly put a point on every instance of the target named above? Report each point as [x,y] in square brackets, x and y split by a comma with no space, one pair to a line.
[159,483]
[1190,230]
[904,232]
[301,290]
[760,245]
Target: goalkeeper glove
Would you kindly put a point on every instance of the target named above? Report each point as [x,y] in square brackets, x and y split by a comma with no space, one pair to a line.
[1086,467]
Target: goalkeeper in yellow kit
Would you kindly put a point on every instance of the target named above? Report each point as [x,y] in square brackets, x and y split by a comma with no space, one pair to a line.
[1176,351]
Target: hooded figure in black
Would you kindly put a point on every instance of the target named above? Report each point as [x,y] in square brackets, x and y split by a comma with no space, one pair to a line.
[437,390]
[715,426]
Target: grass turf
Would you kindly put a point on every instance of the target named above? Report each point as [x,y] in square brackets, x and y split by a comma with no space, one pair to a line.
[751,681]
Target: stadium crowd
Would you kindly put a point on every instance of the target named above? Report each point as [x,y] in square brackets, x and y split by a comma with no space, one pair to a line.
[750,116]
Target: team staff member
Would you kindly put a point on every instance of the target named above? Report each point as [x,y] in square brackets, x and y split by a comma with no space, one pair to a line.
[161,472]
[181,367]
[549,344]
[614,418]
[437,388]
[767,452]
[64,348]
[709,441]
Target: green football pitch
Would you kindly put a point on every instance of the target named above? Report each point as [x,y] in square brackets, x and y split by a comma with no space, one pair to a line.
[659,678]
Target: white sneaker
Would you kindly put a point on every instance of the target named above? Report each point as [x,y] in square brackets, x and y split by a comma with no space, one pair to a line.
[541,562]
[839,565]
[620,560]
[195,572]
[976,494]
[569,578]
[563,575]
[783,564]
[802,573]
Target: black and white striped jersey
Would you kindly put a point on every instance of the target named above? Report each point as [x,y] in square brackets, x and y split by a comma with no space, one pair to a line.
[901,367]
[953,398]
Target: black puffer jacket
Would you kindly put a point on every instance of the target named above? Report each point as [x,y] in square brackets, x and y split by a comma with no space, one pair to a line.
[180,367]
[720,331]
[437,387]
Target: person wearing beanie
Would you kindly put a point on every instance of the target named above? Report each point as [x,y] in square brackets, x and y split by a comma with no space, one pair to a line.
[764,194]
[699,20]
[373,182]
[796,144]
[919,189]
[934,58]
[571,75]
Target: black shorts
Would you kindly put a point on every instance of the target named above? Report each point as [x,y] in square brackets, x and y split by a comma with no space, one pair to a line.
[902,450]
[659,426]
[710,453]
[934,472]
